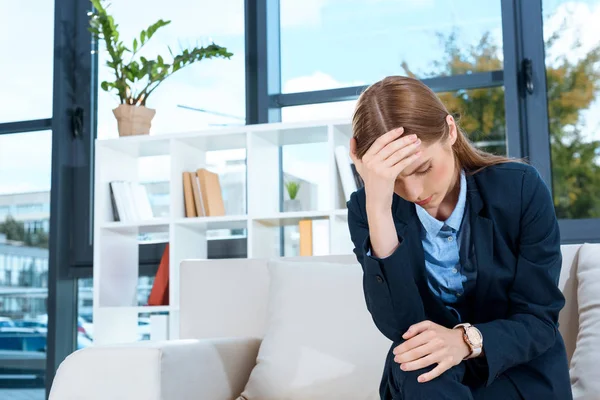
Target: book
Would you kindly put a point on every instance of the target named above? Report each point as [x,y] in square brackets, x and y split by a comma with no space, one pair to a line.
[200,211]
[344,163]
[142,201]
[159,294]
[306,239]
[210,190]
[314,237]
[113,202]
[130,201]
[357,178]
[188,195]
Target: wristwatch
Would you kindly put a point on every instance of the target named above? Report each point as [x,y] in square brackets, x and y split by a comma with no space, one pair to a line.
[473,339]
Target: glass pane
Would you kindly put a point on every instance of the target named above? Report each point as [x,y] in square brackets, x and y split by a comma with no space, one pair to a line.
[85,321]
[573,79]
[209,93]
[338,43]
[480,113]
[27,66]
[25,170]
[323,111]
[305,186]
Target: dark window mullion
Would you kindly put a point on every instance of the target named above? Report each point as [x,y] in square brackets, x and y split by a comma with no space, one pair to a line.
[34,125]
[438,84]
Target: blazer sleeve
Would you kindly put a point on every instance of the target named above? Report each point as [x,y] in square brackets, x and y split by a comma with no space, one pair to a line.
[391,294]
[535,299]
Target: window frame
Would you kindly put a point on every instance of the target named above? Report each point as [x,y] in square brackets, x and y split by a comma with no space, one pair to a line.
[527,131]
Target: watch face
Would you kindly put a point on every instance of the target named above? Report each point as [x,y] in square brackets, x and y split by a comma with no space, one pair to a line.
[474,336]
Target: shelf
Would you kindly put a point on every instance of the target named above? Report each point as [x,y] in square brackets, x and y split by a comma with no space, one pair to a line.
[215,142]
[291,218]
[220,222]
[139,146]
[154,225]
[342,212]
[294,135]
[163,158]
[345,128]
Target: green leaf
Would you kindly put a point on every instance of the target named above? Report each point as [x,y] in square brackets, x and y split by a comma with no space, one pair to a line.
[143,37]
[104,86]
[135,45]
[157,25]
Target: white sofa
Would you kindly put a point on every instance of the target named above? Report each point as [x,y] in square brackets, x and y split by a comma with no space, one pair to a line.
[223,316]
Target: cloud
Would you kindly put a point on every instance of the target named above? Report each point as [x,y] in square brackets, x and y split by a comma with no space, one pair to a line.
[25,162]
[27,71]
[580,23]
[316,81]
[580,26]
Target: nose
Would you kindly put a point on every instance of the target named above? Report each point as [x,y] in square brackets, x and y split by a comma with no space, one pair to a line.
[413,190]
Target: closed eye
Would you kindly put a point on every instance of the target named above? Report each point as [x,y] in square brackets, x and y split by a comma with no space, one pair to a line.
[421,173]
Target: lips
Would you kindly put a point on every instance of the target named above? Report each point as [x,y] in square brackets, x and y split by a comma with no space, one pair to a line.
[424,202]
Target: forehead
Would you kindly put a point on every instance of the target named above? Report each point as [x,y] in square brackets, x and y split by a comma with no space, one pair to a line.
[429,152]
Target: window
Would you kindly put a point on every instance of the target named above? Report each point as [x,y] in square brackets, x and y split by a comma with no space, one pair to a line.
[27,71]
[323,111]
[571,35]
[29,208]
[25,169]
[480,113]
[208,94]
[339,43]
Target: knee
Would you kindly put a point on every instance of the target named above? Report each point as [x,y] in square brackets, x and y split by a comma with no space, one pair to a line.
[447,385]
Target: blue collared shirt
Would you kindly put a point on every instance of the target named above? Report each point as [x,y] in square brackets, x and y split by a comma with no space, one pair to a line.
[449,255]
[442,245]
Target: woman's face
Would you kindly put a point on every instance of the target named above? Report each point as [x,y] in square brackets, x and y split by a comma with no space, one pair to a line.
[428,180]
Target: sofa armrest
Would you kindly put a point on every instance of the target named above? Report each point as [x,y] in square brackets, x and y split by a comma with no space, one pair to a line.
[215,369]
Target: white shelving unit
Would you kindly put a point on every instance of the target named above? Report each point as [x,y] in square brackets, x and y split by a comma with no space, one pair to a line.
[116,245]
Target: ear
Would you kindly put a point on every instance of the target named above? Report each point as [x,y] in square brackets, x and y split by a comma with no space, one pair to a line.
[453,130]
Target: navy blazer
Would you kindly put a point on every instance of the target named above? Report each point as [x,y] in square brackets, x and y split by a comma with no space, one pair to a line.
[516,300]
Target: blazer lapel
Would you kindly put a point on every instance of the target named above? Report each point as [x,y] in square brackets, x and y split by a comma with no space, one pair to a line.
[482,235]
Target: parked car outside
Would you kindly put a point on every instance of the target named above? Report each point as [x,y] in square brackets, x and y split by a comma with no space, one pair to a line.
[6,322]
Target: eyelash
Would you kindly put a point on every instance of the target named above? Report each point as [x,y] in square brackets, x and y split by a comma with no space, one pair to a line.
[423,172]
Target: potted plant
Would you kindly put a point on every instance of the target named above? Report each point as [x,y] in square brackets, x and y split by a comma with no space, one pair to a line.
[136,77]
[292,204]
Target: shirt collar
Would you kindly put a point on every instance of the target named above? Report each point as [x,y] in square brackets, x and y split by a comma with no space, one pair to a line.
[432,225]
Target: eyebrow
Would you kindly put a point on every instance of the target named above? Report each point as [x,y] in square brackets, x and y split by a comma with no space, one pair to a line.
[418,168]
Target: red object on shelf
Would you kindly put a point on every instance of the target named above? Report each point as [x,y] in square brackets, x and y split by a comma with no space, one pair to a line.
[159,295]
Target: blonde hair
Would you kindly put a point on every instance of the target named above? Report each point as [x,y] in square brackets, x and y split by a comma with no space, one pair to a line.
[400,101]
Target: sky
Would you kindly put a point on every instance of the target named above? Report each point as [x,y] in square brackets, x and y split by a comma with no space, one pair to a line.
[324,44]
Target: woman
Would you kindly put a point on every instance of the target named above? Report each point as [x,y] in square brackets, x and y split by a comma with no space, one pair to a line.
[461,255]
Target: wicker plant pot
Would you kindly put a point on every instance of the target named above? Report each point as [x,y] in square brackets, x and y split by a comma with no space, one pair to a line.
[133,120]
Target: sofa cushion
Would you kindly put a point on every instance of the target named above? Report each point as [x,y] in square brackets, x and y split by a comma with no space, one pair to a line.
[320,341]
[584,364]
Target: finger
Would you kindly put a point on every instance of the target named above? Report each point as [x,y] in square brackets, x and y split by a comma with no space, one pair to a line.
[434,373]
[402,153]
[395,145]
[418,352]
[401,166]
[383,140]
[421,362]
[419,327]
[414,342]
